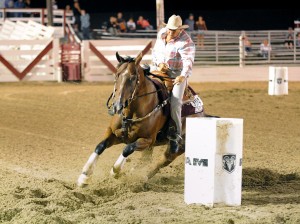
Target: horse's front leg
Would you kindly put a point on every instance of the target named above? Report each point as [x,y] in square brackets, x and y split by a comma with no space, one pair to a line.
[139,145]
[88,168]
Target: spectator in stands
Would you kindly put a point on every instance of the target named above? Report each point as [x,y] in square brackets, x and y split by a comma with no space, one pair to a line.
[54,5]
[28,6]
[85,24]
[9,4]
[2,6]
[265,48]
[191,23]
[112,26]
[289,39]
[144,24]
[298,40]
[121,22]
[201,28]
[77,13]
[131,26]
[69,14]
[19,4]
[247,44]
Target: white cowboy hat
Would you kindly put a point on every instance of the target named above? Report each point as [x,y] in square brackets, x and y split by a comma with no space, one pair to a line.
[175,22]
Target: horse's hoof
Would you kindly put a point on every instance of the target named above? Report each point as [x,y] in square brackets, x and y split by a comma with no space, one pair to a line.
[114,174]
[82,180]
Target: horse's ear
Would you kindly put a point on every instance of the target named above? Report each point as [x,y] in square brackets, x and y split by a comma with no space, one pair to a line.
[119,58]
[138,58]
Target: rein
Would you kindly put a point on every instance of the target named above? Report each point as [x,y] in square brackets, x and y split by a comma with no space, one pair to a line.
[162,78]
[145,94]
[159,106]
[127,121]
[133,97]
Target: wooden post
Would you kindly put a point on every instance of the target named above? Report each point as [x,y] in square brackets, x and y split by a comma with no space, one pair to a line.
[49,13]
[160,14]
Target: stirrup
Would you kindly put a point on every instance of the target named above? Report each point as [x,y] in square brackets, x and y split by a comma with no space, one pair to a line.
[175,137]
[175,140]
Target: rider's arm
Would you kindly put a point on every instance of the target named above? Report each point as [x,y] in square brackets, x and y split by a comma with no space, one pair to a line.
[187,53]
[158,54]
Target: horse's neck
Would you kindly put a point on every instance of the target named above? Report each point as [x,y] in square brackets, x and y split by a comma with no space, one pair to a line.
[146,97]
[146,85]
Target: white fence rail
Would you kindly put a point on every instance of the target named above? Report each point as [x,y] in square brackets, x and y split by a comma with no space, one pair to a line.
[99,56]
[29,60]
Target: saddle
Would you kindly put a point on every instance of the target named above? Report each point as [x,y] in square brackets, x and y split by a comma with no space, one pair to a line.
[192,104]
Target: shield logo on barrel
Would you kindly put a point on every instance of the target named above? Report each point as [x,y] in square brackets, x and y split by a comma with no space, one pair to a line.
[229,162]
[279,80]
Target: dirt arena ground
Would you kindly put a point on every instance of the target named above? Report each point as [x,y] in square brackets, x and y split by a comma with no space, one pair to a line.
[48,130]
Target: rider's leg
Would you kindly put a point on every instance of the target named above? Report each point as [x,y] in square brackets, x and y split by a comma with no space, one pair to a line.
[176,107]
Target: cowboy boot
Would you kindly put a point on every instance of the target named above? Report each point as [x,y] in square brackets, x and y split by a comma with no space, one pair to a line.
[175,139]
[174,144]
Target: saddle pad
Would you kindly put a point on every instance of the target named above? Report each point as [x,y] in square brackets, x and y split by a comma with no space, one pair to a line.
[192,107]
[162,94]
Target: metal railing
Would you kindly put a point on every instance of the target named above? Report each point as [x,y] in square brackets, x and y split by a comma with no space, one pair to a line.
[226,48]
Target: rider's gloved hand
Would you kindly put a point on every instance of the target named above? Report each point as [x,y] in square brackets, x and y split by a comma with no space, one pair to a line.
[179,79]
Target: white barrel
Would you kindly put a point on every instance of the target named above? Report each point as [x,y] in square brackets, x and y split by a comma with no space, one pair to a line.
[213,161]
[278,80]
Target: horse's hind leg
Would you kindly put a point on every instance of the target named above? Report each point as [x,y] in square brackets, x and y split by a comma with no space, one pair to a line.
[168,158]
[88,168]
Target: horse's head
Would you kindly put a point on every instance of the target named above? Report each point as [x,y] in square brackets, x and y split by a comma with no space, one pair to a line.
[127,79]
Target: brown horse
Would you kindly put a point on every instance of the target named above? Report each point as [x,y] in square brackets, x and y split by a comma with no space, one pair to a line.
[139,118]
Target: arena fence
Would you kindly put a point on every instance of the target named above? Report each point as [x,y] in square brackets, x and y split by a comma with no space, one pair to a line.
[29,60]
[24,61]
[99,56]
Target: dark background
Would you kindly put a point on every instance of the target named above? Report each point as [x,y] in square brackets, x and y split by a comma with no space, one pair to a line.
[254,15]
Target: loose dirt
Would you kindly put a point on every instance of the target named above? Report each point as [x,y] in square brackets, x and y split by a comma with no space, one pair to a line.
[48,130]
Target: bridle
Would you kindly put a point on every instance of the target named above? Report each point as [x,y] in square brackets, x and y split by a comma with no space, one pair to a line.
[127,121]
[133,96]
[130,99]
